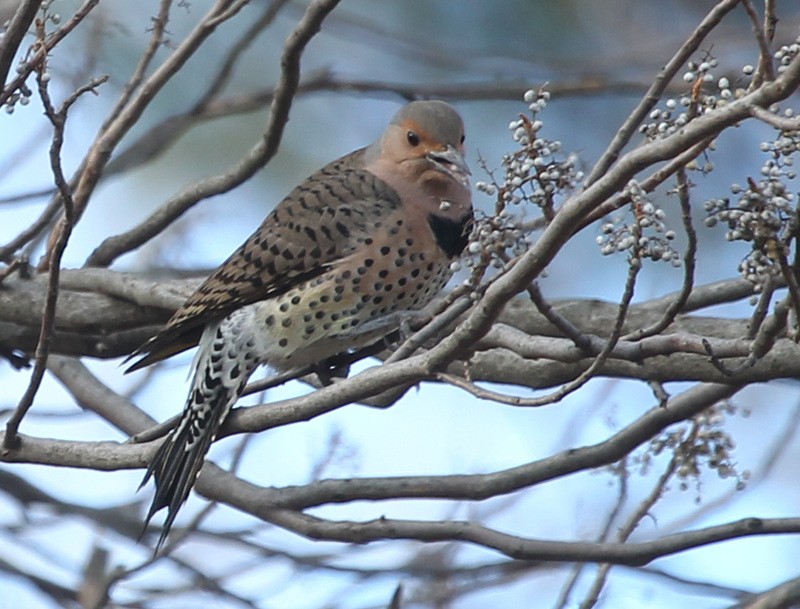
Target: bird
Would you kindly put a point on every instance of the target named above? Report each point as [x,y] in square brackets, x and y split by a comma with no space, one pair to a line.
[347,257]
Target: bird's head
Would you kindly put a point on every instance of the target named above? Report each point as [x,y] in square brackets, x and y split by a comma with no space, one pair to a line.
[425,139]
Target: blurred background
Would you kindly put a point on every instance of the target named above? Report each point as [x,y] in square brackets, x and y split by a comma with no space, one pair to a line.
[598,58]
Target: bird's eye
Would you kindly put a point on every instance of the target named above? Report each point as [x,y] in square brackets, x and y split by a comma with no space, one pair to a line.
[412,138]
[463,137]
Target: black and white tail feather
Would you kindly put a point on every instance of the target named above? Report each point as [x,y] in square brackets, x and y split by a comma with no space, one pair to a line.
[220,373]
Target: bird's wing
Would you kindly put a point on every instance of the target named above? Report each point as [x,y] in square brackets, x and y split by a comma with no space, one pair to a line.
[328,216]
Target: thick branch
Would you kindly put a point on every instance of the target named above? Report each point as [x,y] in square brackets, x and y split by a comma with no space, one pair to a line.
[106,314]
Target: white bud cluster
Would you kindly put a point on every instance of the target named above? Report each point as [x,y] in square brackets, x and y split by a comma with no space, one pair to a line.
[763,213]
[46,14]
[647,237]
[707,446]
[676,113]
[664,122]
[786,54]
[494,239]
[22,96]
[537,173]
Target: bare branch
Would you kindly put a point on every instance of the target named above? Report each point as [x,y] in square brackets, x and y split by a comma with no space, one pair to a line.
[14,33]
[765,70]
[255,159]
[660,83]
[91,394]
[782,596]
[640,553]
[65,226]
[32,63]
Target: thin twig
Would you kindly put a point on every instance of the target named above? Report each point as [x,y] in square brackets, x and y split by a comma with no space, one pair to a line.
[761,344]
[225,71]
[777,449]
[16,265]
[627,529]
[157,30]
[44,47]
[27,196]
[770,20]
[622,313]
[565,326]
[65,226]
[576,383]
[782,123]
[45,219]
[255,159]
[655,91]
[431,329]
[622,470]
[648,185]
[766,70]
[785,595]
[787,271]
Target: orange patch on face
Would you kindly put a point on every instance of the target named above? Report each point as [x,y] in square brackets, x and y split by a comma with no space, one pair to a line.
[420,139]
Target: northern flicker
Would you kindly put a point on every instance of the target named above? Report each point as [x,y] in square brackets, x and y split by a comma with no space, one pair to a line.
[359,245]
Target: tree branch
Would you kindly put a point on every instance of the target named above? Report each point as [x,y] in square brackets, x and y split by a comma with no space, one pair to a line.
[258,156]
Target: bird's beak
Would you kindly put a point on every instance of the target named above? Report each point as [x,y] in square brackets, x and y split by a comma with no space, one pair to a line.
[452,163]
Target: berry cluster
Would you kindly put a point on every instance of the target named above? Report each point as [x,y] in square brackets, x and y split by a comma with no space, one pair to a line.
[763,213]
[22,96]
[707,93]
[786,54]
[676,113]
[537,173]
[647,237]
[704,444]
[496,238]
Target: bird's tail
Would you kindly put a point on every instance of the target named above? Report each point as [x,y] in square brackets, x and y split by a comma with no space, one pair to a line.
[177,464]
[222,366]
